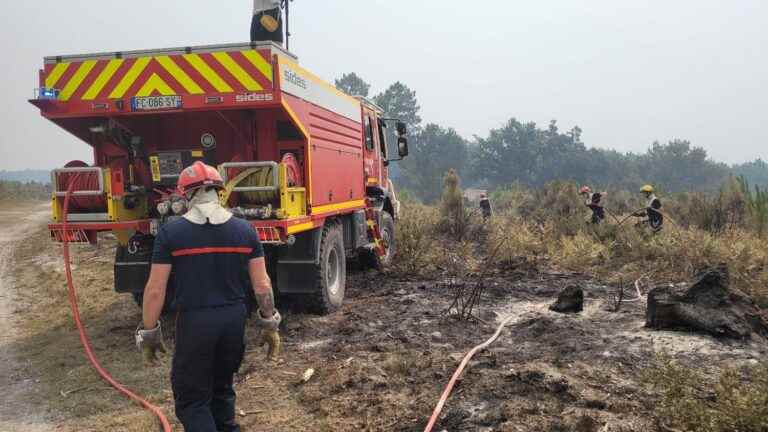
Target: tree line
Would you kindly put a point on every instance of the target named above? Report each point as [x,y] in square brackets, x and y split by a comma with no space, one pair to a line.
[13,191]
[523,152]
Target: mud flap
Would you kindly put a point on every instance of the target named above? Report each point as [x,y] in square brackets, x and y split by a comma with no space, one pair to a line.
[132,269]
[297,264]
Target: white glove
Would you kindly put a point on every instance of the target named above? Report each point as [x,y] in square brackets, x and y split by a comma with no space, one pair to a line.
[149,342]
[269,323]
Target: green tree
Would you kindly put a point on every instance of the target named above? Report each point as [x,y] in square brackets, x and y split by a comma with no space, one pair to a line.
[434,151]
[353,85]
[521,152]
[755,172]
[681,167]
[399,101]
[507,155]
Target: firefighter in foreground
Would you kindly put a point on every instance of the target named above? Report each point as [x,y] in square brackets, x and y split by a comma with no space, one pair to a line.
[652,212]
[594,202]
[208,251]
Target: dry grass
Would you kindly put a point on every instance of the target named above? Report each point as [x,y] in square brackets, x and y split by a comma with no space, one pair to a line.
[689,400]
[554,233]
[66,383]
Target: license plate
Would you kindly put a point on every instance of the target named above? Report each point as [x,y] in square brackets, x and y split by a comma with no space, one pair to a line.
[152,103]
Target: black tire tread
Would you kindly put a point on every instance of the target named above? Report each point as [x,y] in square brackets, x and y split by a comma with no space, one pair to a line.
[320,302]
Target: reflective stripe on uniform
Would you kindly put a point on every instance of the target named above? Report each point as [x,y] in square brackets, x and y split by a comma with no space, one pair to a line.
[212,250]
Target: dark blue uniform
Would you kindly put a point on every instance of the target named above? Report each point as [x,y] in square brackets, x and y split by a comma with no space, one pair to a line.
[210,269]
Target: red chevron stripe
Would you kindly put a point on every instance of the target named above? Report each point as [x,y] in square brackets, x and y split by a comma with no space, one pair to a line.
[86,84]
[168,78]
[194,74]
[142,78]
[222,72]
[116,78]
[71,70]
[249,68]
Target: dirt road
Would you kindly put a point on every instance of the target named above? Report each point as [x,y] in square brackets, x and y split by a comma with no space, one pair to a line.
[16,378]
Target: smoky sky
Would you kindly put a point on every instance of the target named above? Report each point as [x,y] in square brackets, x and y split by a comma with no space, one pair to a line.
[627,73]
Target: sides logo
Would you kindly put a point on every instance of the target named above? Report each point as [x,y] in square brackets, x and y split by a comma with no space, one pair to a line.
[295,79]
[254,97]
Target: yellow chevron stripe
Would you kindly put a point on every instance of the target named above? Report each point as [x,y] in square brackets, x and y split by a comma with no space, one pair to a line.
[262,65]
[209,74]
[155,83]
[56,74]
[179,74]
[103,79]
[130,77]
[85,68]
[232,67]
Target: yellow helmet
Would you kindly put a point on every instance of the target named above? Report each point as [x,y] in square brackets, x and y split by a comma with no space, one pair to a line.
[647,189]
[269,22]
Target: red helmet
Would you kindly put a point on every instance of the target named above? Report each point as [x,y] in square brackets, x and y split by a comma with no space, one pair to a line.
[199,175]
[585,190]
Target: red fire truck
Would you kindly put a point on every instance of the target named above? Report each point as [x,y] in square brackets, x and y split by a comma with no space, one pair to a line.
[303,162]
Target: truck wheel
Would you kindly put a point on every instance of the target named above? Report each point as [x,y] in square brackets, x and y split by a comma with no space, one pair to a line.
[387,228]
[331,274]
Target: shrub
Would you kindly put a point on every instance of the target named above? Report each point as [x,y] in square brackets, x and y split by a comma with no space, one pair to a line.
[510,241]
[736,401]
[757,203]
[509,199]
[455,219]
[728,209]
[416,239]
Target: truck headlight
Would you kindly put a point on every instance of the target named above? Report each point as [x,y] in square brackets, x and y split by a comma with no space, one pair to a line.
[163,207]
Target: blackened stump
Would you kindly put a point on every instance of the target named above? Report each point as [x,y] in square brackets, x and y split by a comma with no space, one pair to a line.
[570,300]
[707,305]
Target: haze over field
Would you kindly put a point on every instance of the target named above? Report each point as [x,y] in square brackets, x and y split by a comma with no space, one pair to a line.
[626,73]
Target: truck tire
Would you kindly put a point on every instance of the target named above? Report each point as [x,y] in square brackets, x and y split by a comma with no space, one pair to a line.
[331,272]
[387,228]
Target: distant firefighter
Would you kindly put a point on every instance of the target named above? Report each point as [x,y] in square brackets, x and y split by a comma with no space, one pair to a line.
[267,22]
[594,202]
[655,219]
[485,207]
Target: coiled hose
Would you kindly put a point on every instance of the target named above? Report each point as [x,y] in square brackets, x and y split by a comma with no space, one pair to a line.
[81,329]
[83,181]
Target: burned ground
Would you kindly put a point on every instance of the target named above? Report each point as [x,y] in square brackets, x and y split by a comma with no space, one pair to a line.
[380,363]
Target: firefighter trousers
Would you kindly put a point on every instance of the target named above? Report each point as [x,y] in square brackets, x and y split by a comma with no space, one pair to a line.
[209,350]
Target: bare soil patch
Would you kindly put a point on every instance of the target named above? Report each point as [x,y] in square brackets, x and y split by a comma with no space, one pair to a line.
[17,377]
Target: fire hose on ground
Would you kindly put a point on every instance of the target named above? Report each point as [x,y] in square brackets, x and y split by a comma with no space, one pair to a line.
[459,370]
[81,329]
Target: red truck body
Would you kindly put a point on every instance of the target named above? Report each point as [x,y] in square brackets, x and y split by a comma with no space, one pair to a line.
[147,114]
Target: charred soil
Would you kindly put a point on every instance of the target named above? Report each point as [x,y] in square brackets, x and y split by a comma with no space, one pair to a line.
[381,362]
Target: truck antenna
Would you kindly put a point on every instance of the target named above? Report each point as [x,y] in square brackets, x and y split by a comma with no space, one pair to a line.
[287,5]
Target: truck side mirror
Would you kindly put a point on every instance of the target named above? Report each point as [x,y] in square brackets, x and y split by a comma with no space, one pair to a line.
[402,130]
[402,147]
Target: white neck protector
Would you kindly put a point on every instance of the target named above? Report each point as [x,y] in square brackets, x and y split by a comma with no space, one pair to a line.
[206,208]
